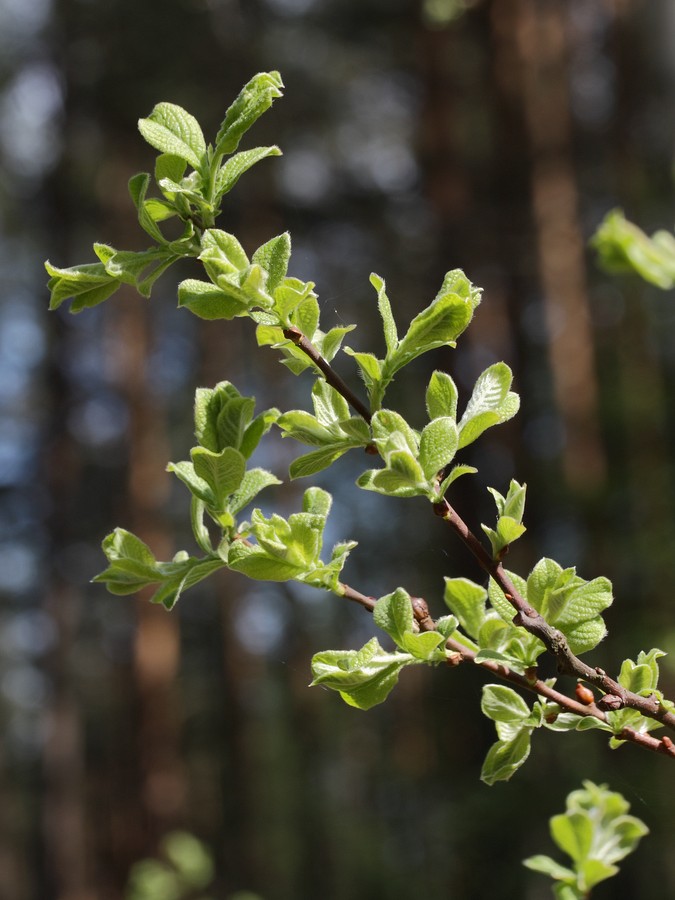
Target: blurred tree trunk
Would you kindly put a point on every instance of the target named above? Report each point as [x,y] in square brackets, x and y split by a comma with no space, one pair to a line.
[539,33]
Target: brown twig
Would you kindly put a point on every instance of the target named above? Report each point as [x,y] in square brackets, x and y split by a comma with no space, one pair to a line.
[294,334]
[460,653]
[615,695]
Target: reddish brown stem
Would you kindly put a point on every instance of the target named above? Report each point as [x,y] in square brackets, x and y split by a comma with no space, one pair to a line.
[334,380]
[615,696]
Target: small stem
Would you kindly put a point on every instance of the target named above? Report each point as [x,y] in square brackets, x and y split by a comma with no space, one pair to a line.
[528,618]
[537,686]
[334,380]
[367,603]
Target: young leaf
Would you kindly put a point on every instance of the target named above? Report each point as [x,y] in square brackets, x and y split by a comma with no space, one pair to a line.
[438,445]
[466,600]
[273,257]
[503,704]
[439,325]
[138,186]
[363,678]
[253,482]
[491,403]
[167,165]
[207,301]
[223,472]
[505,758]
[441,396]
[317,460]
[623,247]
[393,614]
[86,285]
[230,173]
[170,129]
[253,100]
[390,333]
[256,563]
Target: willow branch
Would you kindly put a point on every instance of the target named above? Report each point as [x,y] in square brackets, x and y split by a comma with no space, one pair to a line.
[615,695]
[460,653]
[334,380]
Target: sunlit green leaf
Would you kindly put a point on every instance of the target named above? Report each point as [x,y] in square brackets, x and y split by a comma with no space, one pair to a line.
[170,129]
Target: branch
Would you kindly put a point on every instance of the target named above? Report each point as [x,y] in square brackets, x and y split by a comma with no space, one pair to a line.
[615,696]
[294,334]
[460,653]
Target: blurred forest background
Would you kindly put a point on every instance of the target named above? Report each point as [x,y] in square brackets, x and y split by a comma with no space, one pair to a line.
[490,135]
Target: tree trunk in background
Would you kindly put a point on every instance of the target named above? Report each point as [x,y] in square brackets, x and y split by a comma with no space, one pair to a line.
[157,640]
[540,34]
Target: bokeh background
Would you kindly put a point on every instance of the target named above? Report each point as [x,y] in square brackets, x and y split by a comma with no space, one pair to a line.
[418,136]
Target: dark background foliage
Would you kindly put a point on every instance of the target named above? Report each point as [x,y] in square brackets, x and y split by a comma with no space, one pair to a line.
[488,135]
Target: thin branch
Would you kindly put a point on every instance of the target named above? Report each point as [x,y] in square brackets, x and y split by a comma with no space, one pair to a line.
[294,334]
[349,593]
[615,695]
[460,653]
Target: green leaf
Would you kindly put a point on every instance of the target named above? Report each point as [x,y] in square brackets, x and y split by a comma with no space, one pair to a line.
[170,129]
[642,676]
[207,301]
[393,614]
[330,407]
[133,565]
[441,396]
[255,431]
[196,485]
[200,531]
[169,166]
[390,333]
[86,285]
[183,573]
[593,871]
[438,445]
[403,477]
[128,266]
[317,501]
[466,600]
[223,472]
[253,482]
[391,433]
[253,100]
[550,867]
[305,427]
[623,247]
[329,343]
[255,563]
[273,256]
[364,678]
[317,460]
[456,282]
[138,186]
[503,704]
[230,173]
[507,531]
[499,602]
[491,403]
[224,249]
[455,473]
[439,325]
[370,368]
[573,833]
[505,757]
